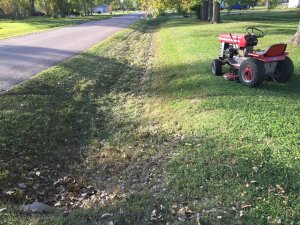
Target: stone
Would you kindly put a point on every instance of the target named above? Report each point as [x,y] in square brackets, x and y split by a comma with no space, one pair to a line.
[36,207]
[22,186]
[106,215]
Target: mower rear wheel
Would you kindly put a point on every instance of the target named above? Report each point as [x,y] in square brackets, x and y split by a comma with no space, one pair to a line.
[251,72]
[284,70]
[216,67]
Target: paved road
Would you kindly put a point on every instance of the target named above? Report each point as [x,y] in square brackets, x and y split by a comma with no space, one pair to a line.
[24,57]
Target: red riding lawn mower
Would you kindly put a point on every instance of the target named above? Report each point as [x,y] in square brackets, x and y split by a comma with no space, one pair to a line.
[252,67]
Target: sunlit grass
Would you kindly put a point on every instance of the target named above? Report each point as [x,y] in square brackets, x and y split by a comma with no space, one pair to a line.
[241,142]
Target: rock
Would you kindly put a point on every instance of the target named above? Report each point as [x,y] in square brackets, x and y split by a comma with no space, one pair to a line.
[184,213]
[2,210]
[106,215]
[109,223]
[138,221]
[36,207]
[60,189]
[153,215]
[10,192]
[42,193]
[66,213]
[22,186]
[181,219]
[57,204]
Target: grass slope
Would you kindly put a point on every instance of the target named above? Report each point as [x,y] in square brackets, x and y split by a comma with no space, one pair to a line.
[243,143]
[157,132]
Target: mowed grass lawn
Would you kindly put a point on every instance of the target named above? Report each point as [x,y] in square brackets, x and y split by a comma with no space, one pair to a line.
[142,119]
[11,28]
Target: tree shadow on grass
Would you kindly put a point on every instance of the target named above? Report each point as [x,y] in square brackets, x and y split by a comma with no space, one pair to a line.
[47,122]
[279,17]
[212,181]
[225,166]
[228,178]
[263,18]
[189,81]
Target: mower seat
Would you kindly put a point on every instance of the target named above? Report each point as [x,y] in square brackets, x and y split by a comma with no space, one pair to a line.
[274,50]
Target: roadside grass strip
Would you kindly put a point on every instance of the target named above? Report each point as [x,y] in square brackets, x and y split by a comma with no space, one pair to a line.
[11,28]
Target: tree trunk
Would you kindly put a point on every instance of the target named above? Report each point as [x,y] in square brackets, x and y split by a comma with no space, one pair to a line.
[216,12]
[84,7]
[199,12]
[63,9]
[23,12]
[47,8]
[92,10]
[204,10]
[210,11]
[296,38]
[31,6]
[15,14]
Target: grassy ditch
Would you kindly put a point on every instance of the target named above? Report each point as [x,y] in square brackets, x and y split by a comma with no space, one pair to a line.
[75,117]
[137,130]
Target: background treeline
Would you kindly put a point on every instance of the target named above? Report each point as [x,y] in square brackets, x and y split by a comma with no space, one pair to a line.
[18,9]
[207,10]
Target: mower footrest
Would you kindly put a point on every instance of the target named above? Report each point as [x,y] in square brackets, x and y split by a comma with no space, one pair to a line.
[230,76]
[236,61]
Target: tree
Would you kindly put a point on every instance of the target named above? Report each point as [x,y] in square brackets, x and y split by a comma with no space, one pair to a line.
[157,7]
[198,9]
[84,7]
[92,7]
[31,4]
[204,10]
[210,10]
[216,12]
[115,5]
[128,4]
[272,4]
[296,38]
[195,5]
[183,6]
[131,4]
[15,8]
[54,8]
[44,5]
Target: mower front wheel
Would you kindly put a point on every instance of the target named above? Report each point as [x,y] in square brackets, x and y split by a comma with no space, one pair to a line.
[284,70]
[216,67]
[251,72]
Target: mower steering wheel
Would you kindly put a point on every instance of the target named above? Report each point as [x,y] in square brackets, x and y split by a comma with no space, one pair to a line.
[255,32]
